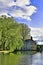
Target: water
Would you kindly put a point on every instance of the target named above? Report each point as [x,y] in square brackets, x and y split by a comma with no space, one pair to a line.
[22,58]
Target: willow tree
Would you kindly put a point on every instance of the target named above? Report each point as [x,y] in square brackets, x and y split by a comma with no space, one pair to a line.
[10,36]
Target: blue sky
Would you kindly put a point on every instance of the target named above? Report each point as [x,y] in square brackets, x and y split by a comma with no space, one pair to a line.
[37,18]
[29,12]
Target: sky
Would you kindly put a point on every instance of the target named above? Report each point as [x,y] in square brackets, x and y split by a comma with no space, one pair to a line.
[29,12]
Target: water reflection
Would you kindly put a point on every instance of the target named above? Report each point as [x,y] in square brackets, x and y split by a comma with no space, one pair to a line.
[37,59]
[22,58]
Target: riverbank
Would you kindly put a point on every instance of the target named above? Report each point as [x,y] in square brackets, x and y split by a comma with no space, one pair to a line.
[4,51]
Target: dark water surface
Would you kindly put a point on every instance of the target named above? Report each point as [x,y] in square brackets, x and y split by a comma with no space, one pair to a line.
[22,58]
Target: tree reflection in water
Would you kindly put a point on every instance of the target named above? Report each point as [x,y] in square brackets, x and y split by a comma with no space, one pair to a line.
[21,58]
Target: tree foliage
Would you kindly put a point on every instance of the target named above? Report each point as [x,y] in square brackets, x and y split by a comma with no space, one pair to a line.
[12,34]
[25,31]
[10,38]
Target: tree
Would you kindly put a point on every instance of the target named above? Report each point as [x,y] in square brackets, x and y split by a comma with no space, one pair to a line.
[25,31]
[10,36]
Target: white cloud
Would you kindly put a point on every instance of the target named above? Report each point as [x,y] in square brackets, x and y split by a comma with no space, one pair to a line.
[37,34]
[19,13]
[40,43]
[7,3]
[11,3]
[23,2]
[3,13]
[20,3]
[37,31]
[26,15]
[3,0]
[30,10]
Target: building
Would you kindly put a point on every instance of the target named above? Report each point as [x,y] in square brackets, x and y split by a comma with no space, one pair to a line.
[29,44]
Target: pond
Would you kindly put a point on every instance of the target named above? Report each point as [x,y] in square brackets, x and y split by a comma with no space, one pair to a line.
[22,58]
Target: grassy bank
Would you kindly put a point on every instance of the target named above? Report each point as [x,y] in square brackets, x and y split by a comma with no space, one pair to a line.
[4,51]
